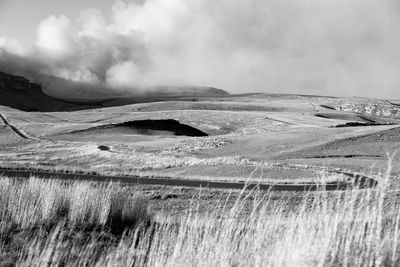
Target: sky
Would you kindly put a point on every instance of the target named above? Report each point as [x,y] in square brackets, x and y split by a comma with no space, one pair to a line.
[324,47]
[20,18]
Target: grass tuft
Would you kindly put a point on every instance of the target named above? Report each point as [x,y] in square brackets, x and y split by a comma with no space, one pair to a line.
[36,203]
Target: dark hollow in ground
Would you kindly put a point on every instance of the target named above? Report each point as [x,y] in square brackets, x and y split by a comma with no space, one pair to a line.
[360,124]
[151,127]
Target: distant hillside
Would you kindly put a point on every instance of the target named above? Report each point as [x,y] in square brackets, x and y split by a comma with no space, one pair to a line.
[186,91]
[19,93]
[167,93]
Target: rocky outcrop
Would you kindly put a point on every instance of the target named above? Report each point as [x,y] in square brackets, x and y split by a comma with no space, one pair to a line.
[368,107]
[378,110]
[9,80]
[19,93]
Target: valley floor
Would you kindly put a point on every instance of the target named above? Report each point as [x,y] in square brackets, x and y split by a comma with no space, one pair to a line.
[271,139]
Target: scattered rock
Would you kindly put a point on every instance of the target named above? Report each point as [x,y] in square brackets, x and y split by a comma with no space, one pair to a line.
[103,148]
[164,196]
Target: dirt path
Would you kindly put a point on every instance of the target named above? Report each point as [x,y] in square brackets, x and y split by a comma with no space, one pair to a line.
[360,180]
[12,127]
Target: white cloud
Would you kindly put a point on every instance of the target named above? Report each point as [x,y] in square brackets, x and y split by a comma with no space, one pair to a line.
[54,36]
[124,75]
[333,47]
[13,46]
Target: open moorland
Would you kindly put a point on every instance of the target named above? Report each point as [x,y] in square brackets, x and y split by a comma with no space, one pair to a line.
[186,159]
[263,138]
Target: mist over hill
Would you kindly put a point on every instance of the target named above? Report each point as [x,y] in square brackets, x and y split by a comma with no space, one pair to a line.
[20,93]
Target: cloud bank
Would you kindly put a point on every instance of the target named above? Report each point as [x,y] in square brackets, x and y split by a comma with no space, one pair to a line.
[328,47]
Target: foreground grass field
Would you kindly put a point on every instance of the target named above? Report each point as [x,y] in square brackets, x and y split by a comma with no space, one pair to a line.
[55,223]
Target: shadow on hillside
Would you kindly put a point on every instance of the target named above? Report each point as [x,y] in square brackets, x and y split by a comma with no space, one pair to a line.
[146,127]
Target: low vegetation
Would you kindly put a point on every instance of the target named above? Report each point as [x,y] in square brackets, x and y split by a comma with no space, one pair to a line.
[55,223]
[37,203]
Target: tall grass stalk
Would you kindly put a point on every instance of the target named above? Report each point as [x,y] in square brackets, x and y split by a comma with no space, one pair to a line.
[349,228]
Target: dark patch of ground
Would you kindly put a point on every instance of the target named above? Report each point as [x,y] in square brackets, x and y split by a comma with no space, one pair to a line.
[344,116]
[103,148]
[360,124]
[173,126]
[355,120]
[146,127]
[344,156]
[327,107]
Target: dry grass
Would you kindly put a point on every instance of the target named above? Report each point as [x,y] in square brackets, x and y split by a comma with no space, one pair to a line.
[351,228]
[87,158]
[35,203]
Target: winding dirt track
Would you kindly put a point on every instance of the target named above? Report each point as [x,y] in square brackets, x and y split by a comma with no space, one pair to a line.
[359,181]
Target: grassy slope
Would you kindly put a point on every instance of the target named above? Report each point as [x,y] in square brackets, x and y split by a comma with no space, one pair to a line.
[246,133]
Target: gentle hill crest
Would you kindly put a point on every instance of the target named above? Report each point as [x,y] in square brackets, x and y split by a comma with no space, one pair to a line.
[19,93]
